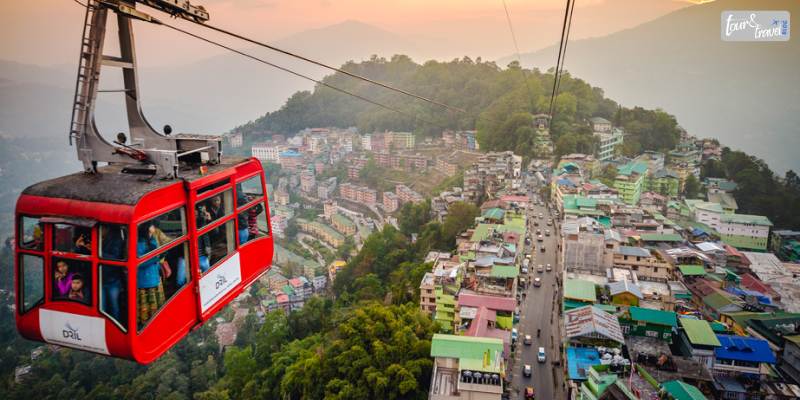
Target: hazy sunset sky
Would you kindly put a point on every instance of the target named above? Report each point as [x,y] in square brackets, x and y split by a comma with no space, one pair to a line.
[46,32]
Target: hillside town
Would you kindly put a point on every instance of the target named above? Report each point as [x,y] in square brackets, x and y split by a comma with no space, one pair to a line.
[594,276]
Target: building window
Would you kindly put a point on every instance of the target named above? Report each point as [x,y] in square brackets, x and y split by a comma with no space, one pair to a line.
[158,279]
[69,238]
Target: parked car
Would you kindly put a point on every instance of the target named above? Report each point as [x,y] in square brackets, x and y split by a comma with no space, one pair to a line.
[525,270]
[537,282]
[527,370]
[528,340]
[514,334]
[540,269]
[540,356]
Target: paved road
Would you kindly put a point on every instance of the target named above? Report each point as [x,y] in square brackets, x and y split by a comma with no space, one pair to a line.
[538,313]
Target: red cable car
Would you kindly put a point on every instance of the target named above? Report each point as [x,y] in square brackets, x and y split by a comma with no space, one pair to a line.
[129,270]
[126,259]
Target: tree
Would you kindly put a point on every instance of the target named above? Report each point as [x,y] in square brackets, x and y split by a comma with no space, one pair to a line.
[691,187]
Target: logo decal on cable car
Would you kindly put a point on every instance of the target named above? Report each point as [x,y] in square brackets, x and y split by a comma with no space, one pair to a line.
[70,333]
[221,281]
[73,330]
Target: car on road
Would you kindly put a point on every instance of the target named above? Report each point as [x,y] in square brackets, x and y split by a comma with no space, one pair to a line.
[527,370]
[535,223]
[547,232]
[529,394]
[525,270]
[514,334]
[516,315]
[539,238]
[540,269]
[540,355]
[537,282]
[541,248]
[549,268]
[549,223]
[527,340]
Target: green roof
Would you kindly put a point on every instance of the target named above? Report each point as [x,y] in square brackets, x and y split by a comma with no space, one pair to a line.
[718,327]
[504,271]
[513,223]
[661,237]
[607,308]
[473,353]
[717,300]
[657,317]
[680,390]
[570,304]
[699,332]
[745,219]
[578,289]
[343,220]
[632,167]
[481,232]
[692,270]
[494,213]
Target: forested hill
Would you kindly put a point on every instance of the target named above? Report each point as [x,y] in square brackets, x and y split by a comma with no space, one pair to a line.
[497,101]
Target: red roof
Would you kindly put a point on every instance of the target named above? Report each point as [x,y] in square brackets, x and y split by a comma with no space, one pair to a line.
[751,282]
[495,303]
[296,282]
[480,328]
[515,199]
[282,298]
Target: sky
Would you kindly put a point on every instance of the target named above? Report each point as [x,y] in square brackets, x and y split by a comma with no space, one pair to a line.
[45,32]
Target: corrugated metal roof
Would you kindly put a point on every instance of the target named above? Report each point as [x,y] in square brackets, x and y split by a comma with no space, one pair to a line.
[578,289]
[692,270]
[682,391]
[699,332]
[744,348]
[633,251]
[657,317]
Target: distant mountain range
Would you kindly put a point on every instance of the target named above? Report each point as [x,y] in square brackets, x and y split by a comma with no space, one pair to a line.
[745,94]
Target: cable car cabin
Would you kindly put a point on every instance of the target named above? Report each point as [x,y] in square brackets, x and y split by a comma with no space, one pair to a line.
[126,265]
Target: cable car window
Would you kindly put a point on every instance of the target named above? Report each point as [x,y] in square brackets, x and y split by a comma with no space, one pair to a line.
[158,279]
[72,280]
[160,231]
[218,184]
[72,239]
[113,242]
[31,276]
[252,223]
[249,190]
[213,208]
[114,294]
[31,233]
[215,245]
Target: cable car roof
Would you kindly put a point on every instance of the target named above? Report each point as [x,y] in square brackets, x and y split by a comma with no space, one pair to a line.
[111,185]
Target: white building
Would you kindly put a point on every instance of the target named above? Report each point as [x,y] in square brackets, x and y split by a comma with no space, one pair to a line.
[366,142]
[267,152]
[235,140]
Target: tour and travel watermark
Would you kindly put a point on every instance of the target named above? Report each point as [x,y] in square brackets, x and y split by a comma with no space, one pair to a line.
[755,26]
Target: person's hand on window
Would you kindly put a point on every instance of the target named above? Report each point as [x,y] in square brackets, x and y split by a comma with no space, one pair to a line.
[81,242]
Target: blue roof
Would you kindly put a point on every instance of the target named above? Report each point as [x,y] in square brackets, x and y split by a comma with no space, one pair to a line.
[745,292]
[565,182]
[744,348]
[579,360]
[290,153]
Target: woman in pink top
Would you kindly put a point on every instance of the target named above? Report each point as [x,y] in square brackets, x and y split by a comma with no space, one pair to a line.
[63,280]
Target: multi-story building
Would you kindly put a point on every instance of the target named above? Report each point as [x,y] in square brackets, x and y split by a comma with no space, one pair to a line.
[390,202]
[747,232]
[334,269]
[630,181]
[664,182]
[484,360]
[400,140]
[326,188]
[329,208]
[321,231]
[343,224]
[290,159]
[446,166]
[427,294]
[267,152]
[235,140]
[307,181]
[358,194]
[705,212]
[405,194]
[281,197]
[279,224]
[648,265]
[610,141]
[600,124]
[366,142]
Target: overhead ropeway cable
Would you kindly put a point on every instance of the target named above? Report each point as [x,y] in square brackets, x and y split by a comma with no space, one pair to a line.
[562,51]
